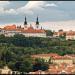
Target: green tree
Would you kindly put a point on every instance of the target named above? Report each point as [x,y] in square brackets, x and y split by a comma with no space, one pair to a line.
[24,66]
[40,64]
[49,33]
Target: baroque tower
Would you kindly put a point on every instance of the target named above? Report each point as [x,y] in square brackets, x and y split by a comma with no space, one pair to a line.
[25,22]
[37,22]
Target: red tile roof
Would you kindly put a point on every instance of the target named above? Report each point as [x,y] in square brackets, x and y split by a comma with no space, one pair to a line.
[60,68]
[12,27]
[59,33]
[32,30]
[70,33]
[45,55]
[61,57]
[28,30]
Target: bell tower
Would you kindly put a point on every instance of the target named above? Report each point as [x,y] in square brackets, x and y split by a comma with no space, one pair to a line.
[25,22]
[37,22]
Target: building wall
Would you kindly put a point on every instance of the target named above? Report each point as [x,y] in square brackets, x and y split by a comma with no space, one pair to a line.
[12,33]
[58,61]
[34,34]
[70,37]
[55,35]
[46,59]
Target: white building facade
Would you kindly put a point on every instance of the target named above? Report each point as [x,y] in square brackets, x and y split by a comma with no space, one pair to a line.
[10,31]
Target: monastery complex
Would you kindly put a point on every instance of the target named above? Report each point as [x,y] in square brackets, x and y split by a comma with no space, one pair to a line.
[9,31]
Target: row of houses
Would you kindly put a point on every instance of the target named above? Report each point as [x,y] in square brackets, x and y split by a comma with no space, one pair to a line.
[57,69]
[6,70]
[69,35]
[55,58]
[60,64]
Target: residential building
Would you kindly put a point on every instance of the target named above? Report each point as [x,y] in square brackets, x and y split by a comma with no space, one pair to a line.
[59,33]
[69,35]
[62,59]
[61,68]
[5,70]
[46,57]
[55,58]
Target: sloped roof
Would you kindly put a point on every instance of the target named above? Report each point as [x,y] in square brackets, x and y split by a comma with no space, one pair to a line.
[28,30]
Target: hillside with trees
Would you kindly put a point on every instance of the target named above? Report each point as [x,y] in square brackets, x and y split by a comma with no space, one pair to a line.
[15,51]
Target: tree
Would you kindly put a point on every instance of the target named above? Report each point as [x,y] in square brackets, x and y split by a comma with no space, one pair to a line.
[11,65]
[40,64]
[2,38]
[18,40]
[6,56]
[24,66]
[2,64]
[49,33]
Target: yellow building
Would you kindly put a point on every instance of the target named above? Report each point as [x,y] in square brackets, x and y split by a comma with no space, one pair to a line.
[5,70]
[62,59]
[55,58]
[46,57]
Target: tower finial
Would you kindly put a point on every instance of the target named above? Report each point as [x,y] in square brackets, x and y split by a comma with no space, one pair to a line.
[37,22]
[25,22]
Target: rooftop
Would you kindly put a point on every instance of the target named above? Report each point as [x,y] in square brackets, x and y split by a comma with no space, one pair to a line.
[27,30]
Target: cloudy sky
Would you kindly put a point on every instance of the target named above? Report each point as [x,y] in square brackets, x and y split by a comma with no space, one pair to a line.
[52,14]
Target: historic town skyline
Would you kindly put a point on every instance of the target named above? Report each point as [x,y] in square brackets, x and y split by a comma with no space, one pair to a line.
[51,14]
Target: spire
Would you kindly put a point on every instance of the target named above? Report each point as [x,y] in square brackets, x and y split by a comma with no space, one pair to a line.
[25,22]
[37,22]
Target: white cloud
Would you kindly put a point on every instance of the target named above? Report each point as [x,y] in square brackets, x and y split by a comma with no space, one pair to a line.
[34,5]
[4,3]
[51,5]
[57,25]
[1,10]
[11,11]
[7,11]
[23,10]
[31,6]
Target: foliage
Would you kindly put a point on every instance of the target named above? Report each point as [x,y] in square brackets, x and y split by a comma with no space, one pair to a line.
[40,64]
[24,66]
[49,33]
[17,50]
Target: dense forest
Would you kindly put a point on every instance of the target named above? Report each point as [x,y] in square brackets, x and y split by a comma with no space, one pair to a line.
[15,51]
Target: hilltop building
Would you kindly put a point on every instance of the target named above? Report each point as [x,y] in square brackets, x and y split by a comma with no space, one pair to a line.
[55,58]
[59,33]
[69,35]
[9,31]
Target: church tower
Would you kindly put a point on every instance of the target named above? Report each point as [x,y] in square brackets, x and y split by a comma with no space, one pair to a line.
[25,22]
[37,22]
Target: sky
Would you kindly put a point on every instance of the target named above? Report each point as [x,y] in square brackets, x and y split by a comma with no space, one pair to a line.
[52,15]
